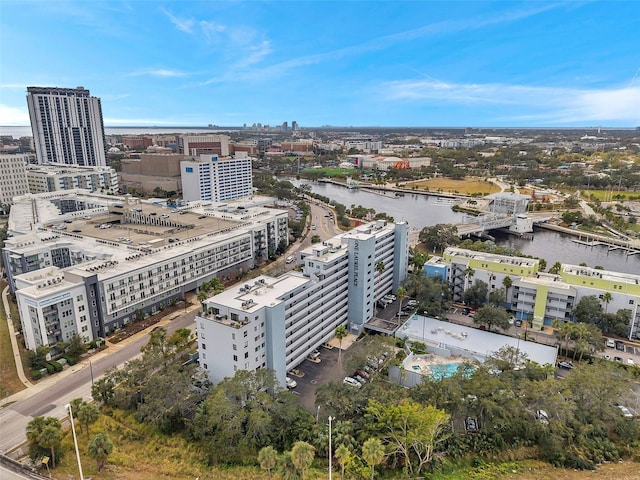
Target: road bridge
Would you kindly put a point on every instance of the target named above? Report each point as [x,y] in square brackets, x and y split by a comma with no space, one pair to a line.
[517,224]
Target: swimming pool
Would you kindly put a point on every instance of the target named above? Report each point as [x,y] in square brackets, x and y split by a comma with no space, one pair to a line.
[444,370]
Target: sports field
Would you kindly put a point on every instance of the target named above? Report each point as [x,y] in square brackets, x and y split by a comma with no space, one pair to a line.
[467,186]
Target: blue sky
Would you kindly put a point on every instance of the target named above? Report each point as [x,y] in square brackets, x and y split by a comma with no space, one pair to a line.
[355,63]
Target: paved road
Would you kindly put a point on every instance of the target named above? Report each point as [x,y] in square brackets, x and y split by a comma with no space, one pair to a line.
[50,397]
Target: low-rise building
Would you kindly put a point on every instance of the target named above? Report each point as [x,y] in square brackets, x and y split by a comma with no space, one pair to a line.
[54,177]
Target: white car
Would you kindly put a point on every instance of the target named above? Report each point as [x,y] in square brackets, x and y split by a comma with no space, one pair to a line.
[289,260]
[630,361]
[351,382]
[625,411]
[291,383]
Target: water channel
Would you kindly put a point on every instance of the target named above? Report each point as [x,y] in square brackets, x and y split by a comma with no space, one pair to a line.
[422,211]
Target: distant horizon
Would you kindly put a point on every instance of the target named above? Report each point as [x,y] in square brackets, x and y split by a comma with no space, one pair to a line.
[427,127]
[516,64]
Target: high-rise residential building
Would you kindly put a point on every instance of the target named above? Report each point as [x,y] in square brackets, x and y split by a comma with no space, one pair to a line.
[67,126]
[276,322]
[216,179]
[13,177]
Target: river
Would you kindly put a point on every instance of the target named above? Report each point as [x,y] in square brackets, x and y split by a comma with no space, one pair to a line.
[423,211]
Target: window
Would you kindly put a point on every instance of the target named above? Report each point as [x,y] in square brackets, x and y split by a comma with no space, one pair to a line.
[235,348]
[204,346]
[235,358]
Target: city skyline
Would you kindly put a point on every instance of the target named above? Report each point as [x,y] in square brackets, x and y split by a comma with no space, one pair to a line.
[509,64]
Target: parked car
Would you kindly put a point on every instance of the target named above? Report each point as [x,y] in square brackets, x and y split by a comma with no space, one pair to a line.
[291,383]
[630,361]
[620,345]
[566,365]
[611,343]
[351,382]
[289,260]
[618,359]
[314,356]
[542,416]
[363,374]
[625,411]
[360,379]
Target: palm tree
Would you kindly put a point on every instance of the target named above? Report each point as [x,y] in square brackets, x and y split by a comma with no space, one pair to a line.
[566,330]
[542,264]
[468,273]
[606,298]
[268,457]
[344,456]
[400,293]
[507,283]
[50,438]
[87,414]
[555,269]
[302,455]
[373,453]
[286,468]
[99,448]
[341,332]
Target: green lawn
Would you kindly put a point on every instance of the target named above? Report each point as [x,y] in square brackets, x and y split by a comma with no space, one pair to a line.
[9,381]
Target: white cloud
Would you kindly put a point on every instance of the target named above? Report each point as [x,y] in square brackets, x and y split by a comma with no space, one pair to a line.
[13,115]
[551,104]
[182,24]
[158,72]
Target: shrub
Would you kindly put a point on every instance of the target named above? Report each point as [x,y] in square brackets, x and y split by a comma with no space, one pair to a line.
[57,366]
[36,375]
[71,360]
[50,368]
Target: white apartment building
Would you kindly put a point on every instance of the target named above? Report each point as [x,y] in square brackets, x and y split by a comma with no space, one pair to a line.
[13,177]
[53,177]
[216,179]
[52,308]
[124,259]
[67,126]
[276,322]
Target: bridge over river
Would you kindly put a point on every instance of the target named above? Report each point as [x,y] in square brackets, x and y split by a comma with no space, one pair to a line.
[517,224]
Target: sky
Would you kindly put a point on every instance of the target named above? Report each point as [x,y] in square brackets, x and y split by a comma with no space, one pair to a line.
[347,63]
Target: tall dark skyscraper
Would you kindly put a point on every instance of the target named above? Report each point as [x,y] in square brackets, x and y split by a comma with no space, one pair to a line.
[67,126]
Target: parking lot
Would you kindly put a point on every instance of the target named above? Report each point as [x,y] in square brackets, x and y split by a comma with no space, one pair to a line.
[315,374]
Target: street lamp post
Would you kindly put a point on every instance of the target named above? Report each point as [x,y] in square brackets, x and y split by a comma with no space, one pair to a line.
[330,453]
[91,371]
[75,441]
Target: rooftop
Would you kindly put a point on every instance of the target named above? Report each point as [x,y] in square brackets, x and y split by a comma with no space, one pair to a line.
[478,344]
